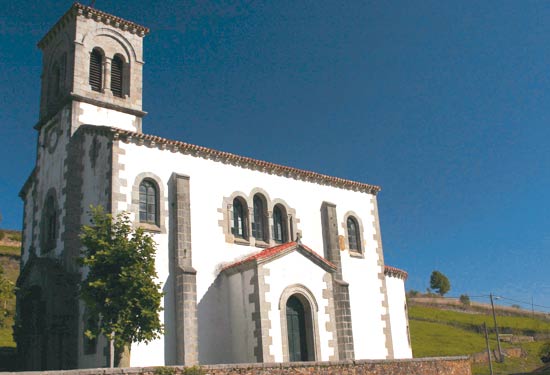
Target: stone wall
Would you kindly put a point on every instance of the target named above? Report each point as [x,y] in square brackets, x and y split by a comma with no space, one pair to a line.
[421,366]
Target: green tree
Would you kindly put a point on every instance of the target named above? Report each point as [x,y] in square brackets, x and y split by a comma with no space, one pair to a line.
[440,283]
[6,292]
[119,290]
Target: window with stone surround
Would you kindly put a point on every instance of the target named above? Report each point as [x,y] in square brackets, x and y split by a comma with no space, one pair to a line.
[148,202]
[259,225]
[240,223]
[354,238]
[117,76]
[96,69]
[280,224]
[49,226]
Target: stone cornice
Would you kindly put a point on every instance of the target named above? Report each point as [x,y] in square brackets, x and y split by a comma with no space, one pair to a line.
[395,272]
[228,158]
[99,103]
[28,183]
[97,15]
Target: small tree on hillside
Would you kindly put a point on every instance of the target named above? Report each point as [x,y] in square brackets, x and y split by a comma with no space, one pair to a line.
[440,283]
[120,291]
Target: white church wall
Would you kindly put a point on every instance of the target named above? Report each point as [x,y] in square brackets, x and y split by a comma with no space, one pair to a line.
[210,182]
[28,218]
[362,274]
[296,269]
[398,317]
[241,327]
[93,115]
[50,176]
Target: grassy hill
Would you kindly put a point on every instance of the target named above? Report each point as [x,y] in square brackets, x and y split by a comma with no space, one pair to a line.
[438,332]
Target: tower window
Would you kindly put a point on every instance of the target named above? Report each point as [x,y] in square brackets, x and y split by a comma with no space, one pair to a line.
[96,69]
[148,202]
[354,238]
[117,67]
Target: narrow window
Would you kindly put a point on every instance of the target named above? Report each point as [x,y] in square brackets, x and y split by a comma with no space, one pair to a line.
[258,226]
[49,224]
[353,234]
[279,225]
[96,69]
[239,219]
[148,202]
[116,76]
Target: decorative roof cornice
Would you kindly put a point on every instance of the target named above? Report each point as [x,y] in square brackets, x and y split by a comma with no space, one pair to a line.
[395,272]
[97,15]
[228,158]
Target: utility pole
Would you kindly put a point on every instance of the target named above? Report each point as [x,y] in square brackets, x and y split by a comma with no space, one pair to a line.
[500,356]
[488,348]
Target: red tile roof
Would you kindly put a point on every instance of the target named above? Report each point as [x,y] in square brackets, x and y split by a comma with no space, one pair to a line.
[226,157]
[272,252]
[395,272]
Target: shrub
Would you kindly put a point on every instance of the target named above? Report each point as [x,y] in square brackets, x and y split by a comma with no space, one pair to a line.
[2,234]
[15,237]
[544,352]
[195,370]
[162,370]
[464,299]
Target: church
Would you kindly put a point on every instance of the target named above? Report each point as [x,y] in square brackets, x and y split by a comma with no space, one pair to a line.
[258,262]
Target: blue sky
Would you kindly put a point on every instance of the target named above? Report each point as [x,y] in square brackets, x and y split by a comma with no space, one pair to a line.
[443,104]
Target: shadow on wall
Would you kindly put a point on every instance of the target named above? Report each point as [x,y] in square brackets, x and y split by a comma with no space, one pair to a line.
[215,324]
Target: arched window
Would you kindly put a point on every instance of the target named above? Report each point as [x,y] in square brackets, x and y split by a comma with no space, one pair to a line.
[96,69]
[354,238]
[148,202]
[117,67]
[279,224]
[259,225]
[49,224]
[239,219]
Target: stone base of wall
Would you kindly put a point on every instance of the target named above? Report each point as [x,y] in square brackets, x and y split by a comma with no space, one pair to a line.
[417,366]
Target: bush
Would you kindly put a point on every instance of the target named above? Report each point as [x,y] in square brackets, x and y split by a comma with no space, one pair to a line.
[544,353]
[464,299]
[2,234]
[15,237]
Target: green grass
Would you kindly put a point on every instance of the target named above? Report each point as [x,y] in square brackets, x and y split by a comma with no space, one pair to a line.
[10,250]
[512,324]
[436,332]
[9,261]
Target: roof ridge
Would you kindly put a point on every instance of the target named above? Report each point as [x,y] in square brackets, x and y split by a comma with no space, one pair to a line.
[244,161]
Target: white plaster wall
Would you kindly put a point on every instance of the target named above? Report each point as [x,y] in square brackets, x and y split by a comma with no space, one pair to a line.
[398,317]
[210,181]
[93,115]
[28,217]
[291,269]
[50,174]
[241,328]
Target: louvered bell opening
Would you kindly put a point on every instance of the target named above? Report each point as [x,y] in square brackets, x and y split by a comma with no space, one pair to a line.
[95,70]
[116,76]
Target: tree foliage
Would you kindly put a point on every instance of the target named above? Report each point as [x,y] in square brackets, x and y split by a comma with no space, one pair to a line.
[465,299]
[440,283]
[7,288]
[119,290]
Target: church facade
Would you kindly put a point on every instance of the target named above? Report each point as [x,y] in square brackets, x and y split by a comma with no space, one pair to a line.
[258,262]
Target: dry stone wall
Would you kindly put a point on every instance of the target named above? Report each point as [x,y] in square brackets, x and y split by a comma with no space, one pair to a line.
[422,366]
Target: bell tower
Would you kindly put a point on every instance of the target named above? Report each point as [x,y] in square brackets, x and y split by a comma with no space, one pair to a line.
[93,64]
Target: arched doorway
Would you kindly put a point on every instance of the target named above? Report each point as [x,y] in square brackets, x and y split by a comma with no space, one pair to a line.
[299,329]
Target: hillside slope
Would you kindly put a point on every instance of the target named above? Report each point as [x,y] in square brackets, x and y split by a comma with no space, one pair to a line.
[10,253]
[439,332]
